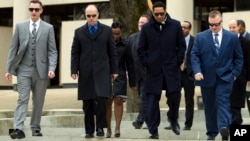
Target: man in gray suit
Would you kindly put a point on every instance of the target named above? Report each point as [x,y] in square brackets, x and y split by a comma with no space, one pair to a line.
[33,59]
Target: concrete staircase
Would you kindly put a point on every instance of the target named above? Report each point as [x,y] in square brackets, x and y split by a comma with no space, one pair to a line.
[67,125]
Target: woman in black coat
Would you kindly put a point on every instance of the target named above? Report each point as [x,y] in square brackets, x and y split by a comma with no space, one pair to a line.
[119,94]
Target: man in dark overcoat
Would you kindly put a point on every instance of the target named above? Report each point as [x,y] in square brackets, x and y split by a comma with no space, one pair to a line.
[161,49]
[94,63]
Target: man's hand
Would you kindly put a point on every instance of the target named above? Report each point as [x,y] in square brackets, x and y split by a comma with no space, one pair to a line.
[51,74]
[8,76]
[182,66]
[198,76]
[74,76]
[114,76]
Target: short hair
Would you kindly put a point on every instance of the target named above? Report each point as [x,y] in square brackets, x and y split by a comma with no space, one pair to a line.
[145,16]
[37,1]
[241,22]
[214,13]
[116,24]
[159,4]
[190,25]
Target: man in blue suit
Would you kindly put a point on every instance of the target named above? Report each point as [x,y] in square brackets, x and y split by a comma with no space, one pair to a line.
[216,61]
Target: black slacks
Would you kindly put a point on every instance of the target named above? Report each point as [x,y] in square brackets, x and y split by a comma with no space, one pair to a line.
[189,87]
[95,114]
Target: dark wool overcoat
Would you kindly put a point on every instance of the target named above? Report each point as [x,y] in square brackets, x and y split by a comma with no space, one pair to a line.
[161,49]
[94,58]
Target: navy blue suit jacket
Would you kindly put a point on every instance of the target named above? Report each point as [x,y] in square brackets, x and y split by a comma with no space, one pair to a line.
[226,65]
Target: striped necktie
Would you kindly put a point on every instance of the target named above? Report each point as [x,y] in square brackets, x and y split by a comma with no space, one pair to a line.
[34,29]
[216,43]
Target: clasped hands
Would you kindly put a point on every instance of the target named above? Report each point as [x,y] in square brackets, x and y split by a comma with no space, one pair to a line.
[198,76]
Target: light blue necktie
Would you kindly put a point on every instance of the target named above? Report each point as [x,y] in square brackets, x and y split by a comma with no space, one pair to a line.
[216,43]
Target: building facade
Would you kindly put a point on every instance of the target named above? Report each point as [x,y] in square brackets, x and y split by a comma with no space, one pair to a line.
[66,15]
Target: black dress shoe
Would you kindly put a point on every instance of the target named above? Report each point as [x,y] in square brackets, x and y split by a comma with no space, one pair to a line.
[89,136]
[187,128]
[175,127]
[224,132]
[168,127]
[37,133]
[210,138]
[17,134]
[154,136]
[99,132]
[137,125]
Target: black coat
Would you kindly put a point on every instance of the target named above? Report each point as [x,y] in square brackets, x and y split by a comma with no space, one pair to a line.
[125,65]
[239,87]
[188,58]
[161,49]
[95,59]
[140,70]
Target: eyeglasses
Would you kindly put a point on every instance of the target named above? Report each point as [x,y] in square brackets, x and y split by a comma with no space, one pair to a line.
[93,16]
[32,9]
[214,24]
[159,14]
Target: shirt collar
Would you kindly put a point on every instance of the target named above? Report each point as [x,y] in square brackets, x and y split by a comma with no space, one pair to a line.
[37,22]
[95,26]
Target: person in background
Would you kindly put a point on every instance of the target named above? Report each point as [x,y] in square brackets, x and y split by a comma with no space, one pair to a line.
[162,54]
[94,62]
[239,87]
[187,80]
[119,94]
[33,59]
[139,74]
[217,60]
[246,35]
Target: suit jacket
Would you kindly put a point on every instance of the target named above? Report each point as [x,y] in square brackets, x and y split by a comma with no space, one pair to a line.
[46,52]
[226,65]
[161,49]
[94,59]
[140,71]
[188,63]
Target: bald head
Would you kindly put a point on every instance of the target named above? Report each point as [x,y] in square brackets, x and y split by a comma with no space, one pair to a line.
[233,26]
[91,14]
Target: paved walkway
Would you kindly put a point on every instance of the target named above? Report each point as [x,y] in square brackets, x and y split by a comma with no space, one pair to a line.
[63,119]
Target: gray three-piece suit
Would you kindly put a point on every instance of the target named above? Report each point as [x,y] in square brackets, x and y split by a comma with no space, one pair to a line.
[30,58]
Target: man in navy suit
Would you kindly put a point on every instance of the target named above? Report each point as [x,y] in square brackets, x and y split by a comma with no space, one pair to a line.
[216,61]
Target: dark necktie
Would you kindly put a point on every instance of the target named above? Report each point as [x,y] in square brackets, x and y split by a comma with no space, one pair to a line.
[92,30]
[34,29]
[216,43]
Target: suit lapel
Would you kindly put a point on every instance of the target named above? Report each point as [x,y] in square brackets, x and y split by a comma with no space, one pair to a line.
[40,29]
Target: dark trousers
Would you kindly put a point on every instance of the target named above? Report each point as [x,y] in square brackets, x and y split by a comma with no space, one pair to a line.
[94,107]
[236,115]
[188,86]
[142,116]
[173,101]
[248,101]
[217,106]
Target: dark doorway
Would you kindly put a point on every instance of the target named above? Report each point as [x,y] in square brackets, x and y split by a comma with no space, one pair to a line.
[203,7]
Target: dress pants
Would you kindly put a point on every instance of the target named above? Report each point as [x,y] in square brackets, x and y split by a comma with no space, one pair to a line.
[173,101]
[248,101]
[95,114]
[188,86]
[217,106]
[29,80]
[142,116]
